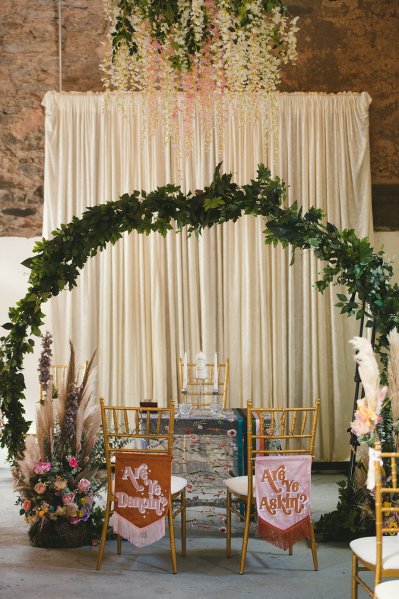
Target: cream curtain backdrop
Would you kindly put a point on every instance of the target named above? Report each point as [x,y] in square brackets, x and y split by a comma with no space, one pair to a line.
[146,300]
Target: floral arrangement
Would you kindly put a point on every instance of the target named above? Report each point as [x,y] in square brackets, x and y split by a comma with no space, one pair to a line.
[57,478]
[376,416]
[368,412]
[210,50]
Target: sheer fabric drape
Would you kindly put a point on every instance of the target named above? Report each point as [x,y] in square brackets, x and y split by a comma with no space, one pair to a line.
[146,300]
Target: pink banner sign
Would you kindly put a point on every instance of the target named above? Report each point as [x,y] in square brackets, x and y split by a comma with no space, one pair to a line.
[282,489]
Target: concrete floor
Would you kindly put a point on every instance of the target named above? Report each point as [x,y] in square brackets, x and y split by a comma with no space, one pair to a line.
[28,572]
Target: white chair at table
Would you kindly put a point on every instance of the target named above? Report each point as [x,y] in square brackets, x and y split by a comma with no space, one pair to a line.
[379,554]
[387,590]
[200,392]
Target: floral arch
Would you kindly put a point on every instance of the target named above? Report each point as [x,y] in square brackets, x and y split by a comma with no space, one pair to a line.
[349,261]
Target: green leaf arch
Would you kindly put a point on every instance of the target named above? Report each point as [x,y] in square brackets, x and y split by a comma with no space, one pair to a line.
[57,262]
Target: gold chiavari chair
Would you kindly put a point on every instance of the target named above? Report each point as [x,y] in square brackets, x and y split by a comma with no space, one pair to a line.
[141,430]
[200,392]
[380,554]
[58,374]
[282,431]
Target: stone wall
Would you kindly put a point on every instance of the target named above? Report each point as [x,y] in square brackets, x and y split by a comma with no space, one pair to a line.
[344,45]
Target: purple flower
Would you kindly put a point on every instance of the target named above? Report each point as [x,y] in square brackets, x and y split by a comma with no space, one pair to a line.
[86,514]
[45,359]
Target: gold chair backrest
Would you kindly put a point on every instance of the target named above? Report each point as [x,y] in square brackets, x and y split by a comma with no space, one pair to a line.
[136,430]
[200,392]
[386,500]
[281,431]
[59,373]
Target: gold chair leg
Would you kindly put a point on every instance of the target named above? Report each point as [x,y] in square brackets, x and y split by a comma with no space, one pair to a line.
[354,575]
[228,524]
[246,535]
[103,534]
[183,523]
[313,546]
[172,537]
[118,544]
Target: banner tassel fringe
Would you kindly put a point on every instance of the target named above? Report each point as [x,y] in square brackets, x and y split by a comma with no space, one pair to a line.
[284,539]
[139,537]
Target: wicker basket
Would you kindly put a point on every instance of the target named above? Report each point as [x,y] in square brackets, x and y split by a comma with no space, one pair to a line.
[59,533]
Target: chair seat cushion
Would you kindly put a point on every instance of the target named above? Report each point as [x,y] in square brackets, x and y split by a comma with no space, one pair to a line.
[238,485]
[387,590]
[366,549]
[178,484]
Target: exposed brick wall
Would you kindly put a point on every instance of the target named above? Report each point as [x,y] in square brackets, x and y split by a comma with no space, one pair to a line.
[344,45]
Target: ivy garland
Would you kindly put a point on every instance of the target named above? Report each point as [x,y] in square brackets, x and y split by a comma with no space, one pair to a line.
[350,261]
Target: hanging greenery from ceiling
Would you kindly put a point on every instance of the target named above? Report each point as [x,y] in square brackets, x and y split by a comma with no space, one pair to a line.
[57,262]
[211,50]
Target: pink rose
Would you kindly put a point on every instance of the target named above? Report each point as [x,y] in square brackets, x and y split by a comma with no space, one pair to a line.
[68,498]
[40,488]
[42,467]
[26,505]
[83,485]
[73,462]
[232,432]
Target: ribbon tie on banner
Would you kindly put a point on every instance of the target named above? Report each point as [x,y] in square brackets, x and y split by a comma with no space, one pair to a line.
[282,489]
[142,495]
[374,456]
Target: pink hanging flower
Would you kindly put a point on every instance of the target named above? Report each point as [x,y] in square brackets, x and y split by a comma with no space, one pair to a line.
[83,485]
[42,467]
[73,462]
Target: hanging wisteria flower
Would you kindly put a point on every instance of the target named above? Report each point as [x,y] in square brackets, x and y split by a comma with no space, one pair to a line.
[196,53]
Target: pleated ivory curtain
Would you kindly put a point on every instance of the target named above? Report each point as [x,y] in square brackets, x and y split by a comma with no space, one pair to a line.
[146,300]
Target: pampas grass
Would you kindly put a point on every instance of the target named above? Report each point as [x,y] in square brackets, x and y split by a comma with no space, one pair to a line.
[67,423]
[368,370]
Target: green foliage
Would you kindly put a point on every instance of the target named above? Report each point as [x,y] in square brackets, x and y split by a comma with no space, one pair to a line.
[350,520]
[57,262]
